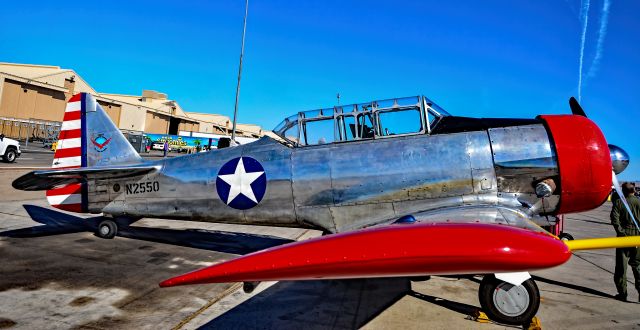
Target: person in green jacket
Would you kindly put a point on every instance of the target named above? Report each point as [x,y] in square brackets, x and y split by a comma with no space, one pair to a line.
[624,226]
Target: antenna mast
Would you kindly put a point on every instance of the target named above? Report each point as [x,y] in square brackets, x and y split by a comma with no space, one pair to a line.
[235,110]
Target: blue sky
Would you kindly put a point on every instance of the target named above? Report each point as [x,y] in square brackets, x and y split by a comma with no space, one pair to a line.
[474,58]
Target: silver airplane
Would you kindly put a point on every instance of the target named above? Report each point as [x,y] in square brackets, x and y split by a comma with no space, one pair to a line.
[399,187]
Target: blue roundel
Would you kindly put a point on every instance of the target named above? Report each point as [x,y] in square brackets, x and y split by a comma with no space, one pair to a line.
[241,183]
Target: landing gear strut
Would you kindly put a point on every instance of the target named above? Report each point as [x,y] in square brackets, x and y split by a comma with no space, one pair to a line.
[507,303]
[107,229]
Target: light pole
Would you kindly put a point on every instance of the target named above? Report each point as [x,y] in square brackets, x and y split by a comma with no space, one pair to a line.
[235,110]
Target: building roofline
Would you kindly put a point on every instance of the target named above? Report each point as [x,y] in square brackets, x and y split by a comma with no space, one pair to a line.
[104,97]
[55,73]
[31,65]
[116,94]
[33,82]
[55,67]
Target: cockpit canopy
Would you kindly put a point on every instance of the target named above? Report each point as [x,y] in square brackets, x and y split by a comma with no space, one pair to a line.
[371,120]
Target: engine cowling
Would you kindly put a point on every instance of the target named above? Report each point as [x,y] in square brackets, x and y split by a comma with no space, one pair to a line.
[584,162]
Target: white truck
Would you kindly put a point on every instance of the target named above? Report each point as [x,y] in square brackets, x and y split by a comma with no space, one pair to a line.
[9,149]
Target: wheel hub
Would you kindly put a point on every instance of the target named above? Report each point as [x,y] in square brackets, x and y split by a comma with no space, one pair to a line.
[511,300]
[104,230]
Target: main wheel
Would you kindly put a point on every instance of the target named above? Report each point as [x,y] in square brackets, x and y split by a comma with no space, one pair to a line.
[107,229]
[507,303]
[10,156]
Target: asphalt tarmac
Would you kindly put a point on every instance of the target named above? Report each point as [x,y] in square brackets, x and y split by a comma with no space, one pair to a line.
[54,273]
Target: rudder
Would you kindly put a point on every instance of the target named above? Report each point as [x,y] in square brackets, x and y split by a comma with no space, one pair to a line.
[88,138]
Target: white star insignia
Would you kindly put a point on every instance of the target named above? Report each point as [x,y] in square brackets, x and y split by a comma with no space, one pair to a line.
[240,182]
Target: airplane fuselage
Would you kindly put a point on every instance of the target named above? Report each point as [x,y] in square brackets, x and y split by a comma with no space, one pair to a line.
[342,186]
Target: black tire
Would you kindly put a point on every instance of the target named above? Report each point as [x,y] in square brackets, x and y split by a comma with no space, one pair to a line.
[10,155]
[419,278]
[107,229]
[566,237]
[497,300]
[249,287]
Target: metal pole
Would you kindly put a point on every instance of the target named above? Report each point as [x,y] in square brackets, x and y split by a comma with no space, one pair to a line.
[26,143]
[235,110]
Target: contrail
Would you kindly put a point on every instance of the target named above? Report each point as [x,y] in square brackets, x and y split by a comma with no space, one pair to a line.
[602,32]
[582,41]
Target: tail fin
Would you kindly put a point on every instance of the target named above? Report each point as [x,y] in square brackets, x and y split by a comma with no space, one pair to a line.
[88,138]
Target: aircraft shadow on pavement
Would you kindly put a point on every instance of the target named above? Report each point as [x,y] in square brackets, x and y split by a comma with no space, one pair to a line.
[325,304]
[58,223]
[448,304]
[572,286]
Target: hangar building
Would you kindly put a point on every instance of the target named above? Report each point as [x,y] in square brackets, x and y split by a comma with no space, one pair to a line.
[33,99]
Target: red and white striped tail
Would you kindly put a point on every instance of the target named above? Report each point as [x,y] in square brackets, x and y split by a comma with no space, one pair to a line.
[70,153]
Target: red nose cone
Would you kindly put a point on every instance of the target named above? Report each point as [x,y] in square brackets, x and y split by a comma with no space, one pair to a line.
[583,160]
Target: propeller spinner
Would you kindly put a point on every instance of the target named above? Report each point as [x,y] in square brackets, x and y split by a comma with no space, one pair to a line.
[619,158]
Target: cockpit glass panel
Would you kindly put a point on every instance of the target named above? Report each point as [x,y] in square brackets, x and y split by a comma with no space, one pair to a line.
[441,112]
[319,131]
[288,128]
[396,122]
[347,127]
[286,123]
[291,134]
[431,117]
[365,126]
[312,114]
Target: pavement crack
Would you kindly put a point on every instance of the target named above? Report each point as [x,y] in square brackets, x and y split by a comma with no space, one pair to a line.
[215,299]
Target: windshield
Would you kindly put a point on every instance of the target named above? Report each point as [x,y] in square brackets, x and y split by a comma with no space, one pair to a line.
[288,129]
[436,108]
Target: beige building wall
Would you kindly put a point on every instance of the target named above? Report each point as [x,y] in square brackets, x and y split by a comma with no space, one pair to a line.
[113,110]
[206,127]
[25,101]
[221,120]
[250,129]
[188,126]
[156,123]
[212,123]
[132,117]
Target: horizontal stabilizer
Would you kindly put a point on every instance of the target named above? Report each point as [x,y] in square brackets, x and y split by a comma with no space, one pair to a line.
[394,250]
[49,179]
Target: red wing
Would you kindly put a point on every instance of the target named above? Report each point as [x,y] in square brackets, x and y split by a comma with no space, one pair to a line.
[394,250]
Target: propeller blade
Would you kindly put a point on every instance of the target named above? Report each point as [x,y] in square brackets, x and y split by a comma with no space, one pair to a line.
[576,109]
[623,198]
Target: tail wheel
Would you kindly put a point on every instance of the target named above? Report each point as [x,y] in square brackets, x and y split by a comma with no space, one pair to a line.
[107,229]
[507,303]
